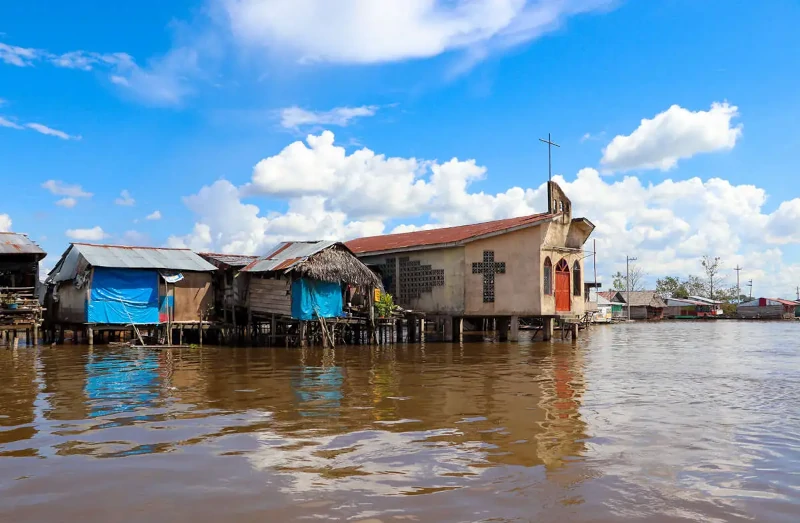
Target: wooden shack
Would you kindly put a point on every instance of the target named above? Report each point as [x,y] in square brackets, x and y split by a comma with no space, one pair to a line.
[107,287]
[230,291]
[304,281]
[19,284]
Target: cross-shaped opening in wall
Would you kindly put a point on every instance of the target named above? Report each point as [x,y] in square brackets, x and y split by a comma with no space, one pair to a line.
[488,268]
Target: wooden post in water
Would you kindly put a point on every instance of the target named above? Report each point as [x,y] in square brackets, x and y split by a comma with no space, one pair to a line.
[90,332]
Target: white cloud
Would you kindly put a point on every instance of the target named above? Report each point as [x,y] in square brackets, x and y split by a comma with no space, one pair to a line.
[357,31]
[591,137]
[9,124]
[3,102]
[155,215]
[125,199]
[19,56]
[5,223]
[334,195]
[135,238]
[673,135]
[60,188]
[94,234]
[69,203]
[49,131]
[294,117]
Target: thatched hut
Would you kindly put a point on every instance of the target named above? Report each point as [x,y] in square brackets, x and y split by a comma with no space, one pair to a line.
[307,280]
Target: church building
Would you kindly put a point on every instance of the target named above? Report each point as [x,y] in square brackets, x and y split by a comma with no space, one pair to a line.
[531,266]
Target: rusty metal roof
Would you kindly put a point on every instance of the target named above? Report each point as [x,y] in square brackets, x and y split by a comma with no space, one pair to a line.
[230,260]
[17,243]
[441,237]
[285,255]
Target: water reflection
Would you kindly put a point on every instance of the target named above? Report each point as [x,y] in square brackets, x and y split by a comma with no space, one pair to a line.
[618,425]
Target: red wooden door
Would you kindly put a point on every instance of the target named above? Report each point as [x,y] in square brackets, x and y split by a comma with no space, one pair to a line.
[562,287]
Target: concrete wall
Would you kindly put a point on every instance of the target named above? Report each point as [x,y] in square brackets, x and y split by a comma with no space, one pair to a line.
[555,240]
[444,299]
[517,292]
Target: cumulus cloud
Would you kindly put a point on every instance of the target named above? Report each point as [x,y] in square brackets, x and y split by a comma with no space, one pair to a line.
[69,203]
[294,117]
[94,234]
[60,188]
[358,32]
[5,223]
[330,194]
[125,199]
[155,215]
[18,56]
[673,135]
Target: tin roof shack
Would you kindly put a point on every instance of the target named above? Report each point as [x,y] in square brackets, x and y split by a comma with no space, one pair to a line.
[531,266]
[230,290]
[108,285]
[692,308]
[19,284]
[644,305]
[768,309]
[305,280]
[19,261]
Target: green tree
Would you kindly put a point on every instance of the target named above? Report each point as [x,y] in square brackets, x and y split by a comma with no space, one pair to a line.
[712,268]
[671,287]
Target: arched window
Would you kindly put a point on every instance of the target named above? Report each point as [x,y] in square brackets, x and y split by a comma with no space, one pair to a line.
[576,279]
[548,276]
[560,206]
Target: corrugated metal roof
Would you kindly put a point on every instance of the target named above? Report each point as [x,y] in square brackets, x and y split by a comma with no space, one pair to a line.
[231,260]
[285,255]
[121,256]
[17,243]
[447,235]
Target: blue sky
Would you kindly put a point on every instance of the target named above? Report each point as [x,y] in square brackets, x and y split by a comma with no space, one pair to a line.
[177,102]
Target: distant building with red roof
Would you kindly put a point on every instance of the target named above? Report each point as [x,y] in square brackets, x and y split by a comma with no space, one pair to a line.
[516,267]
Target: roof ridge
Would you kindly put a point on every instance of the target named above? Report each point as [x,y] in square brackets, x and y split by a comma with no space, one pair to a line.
[450,227]
[132,246]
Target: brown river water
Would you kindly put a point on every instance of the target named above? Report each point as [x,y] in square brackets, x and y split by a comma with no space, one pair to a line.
[656,422]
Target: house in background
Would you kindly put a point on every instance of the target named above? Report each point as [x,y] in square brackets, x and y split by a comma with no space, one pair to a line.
[531,266]
[692,308]
[617,303]
[768,309]
[644,305]
[111,287]
[709,307]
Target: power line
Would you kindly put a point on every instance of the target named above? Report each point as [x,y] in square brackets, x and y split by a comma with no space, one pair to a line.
[628,261]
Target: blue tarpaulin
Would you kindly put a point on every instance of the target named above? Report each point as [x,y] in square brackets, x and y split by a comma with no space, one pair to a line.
[122,296]
[312,299]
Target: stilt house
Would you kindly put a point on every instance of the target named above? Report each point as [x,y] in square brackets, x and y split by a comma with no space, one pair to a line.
[306,280]
[230,291]
[531,266]
[19,261]
[108,285]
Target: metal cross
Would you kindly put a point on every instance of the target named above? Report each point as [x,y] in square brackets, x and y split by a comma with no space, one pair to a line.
[550,143]
[488,268]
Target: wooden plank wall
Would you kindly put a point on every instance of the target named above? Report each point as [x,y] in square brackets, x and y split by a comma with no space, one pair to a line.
[270,296]
[193,294]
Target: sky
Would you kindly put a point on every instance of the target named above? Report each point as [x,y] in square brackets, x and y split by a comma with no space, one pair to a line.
[229,125]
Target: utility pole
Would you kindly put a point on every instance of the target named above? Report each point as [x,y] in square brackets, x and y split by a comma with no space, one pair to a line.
[628,261]
[750,284]
[738,289]
[597,296]
[798,292]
